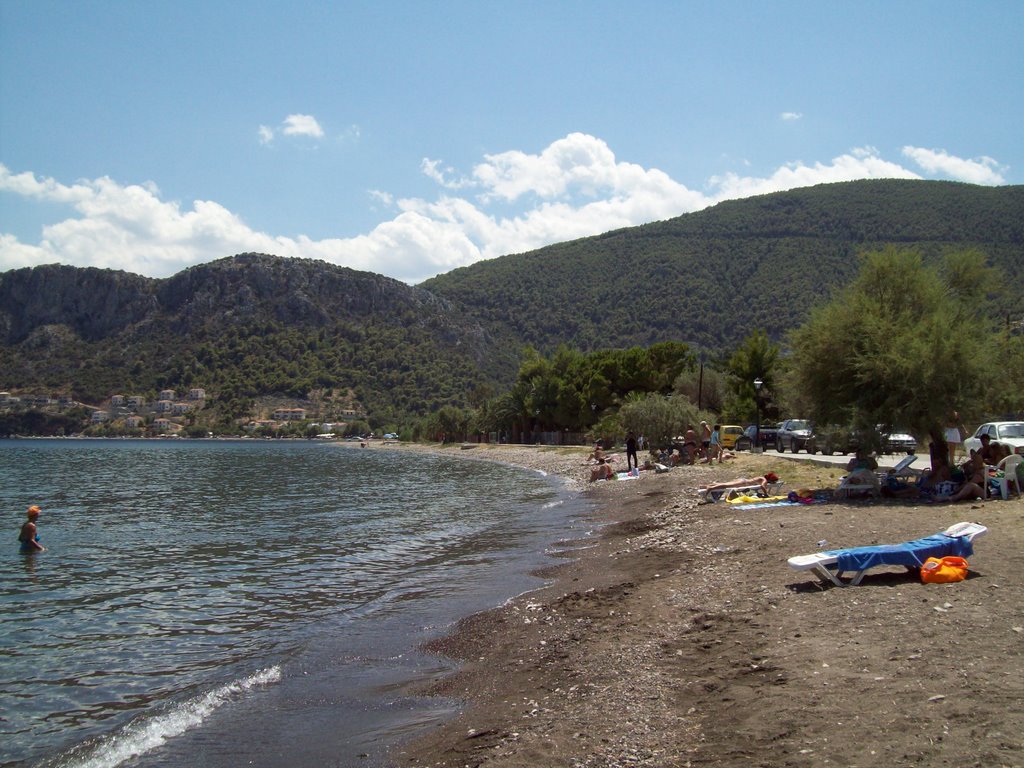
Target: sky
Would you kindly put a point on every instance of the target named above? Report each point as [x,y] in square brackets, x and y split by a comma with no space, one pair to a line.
[409,138]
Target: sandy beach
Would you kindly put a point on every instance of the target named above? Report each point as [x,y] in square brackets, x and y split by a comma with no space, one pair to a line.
[680,637]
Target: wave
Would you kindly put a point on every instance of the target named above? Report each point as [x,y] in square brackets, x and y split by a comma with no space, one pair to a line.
[148,733]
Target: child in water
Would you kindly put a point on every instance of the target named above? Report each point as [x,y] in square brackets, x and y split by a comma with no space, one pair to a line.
[29,536]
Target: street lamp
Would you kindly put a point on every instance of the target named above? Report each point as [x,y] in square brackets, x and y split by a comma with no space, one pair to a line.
[758,383]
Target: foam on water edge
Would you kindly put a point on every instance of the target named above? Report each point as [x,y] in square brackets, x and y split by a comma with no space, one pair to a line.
[147,733]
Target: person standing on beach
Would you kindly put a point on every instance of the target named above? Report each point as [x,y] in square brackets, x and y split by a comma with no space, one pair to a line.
[954,436]
[29,535]
[715,447]
[631,459]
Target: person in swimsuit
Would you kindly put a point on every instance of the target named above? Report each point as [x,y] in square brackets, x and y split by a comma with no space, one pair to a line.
[744,482]
[690,445]
[29,535]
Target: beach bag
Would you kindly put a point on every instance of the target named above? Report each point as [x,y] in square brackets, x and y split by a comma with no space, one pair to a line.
[943,570]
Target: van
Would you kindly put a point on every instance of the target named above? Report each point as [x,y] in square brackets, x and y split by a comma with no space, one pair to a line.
[728,434]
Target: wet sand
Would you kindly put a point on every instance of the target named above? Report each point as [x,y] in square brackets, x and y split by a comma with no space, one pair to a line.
[682,638]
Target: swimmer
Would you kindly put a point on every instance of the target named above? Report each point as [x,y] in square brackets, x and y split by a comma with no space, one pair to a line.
[29,536]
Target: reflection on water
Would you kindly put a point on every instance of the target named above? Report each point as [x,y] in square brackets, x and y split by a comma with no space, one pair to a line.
[175,570]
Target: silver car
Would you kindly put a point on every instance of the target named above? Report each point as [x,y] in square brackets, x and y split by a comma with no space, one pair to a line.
[898,441]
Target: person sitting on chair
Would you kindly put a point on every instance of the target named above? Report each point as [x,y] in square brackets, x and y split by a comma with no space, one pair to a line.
[975,477]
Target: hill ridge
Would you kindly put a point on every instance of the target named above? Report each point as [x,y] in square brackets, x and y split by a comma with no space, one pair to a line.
[257,324]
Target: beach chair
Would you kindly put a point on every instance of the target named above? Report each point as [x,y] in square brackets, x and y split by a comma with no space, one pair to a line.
[831,565]
[1011,475]
[902,470]
[848,485]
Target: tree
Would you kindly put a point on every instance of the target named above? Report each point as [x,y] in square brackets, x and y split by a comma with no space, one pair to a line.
[756,358]
[903,345]
[704,388]
[657,417]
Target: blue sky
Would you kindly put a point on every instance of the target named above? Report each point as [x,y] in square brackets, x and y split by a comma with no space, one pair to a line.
[409,138]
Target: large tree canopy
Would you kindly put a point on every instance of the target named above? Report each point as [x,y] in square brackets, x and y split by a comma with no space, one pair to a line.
[904,345]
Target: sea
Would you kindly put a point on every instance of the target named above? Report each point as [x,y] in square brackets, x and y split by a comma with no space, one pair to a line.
[249,602]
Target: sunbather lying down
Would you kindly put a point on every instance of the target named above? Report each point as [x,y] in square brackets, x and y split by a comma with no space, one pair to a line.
[743,482]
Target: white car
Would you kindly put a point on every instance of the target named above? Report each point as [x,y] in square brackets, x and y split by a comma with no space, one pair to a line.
[1009,433]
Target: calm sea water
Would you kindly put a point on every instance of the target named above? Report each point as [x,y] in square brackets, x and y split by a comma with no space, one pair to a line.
[249,602]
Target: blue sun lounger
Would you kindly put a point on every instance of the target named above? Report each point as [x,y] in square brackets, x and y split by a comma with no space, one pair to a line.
[831,565]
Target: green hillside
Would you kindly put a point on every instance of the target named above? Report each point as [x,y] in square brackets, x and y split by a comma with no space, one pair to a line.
[244,327]
[255,326]
[710,278]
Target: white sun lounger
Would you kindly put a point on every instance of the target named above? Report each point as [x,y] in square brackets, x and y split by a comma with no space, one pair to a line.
[830,566]
[901,470]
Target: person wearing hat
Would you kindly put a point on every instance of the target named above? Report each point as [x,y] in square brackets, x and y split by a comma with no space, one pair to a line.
[29,536]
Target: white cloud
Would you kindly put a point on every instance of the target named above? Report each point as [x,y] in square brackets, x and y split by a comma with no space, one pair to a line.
[981,170]
[510,202]
[432,170]
[860,163]
[789,116]
[302,125]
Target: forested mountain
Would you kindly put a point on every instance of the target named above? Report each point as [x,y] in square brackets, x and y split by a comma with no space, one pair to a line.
[241,327]
[709,278]
[253,325]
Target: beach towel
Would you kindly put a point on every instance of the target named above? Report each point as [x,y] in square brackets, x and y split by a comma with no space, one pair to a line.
[746,499]
[909,553]
[783,503]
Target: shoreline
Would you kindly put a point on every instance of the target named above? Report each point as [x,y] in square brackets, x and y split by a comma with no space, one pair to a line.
[681,637]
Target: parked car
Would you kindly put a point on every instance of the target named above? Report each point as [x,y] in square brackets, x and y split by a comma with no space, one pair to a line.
[767,437]
[1009,433]
[792,435]
[832,439]
[897,441]
[728,434]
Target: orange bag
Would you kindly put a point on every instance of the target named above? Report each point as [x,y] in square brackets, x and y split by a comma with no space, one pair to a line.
[944,570]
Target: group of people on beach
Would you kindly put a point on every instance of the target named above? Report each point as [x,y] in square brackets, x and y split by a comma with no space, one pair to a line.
[705,447]
[948,483]
[691,448]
